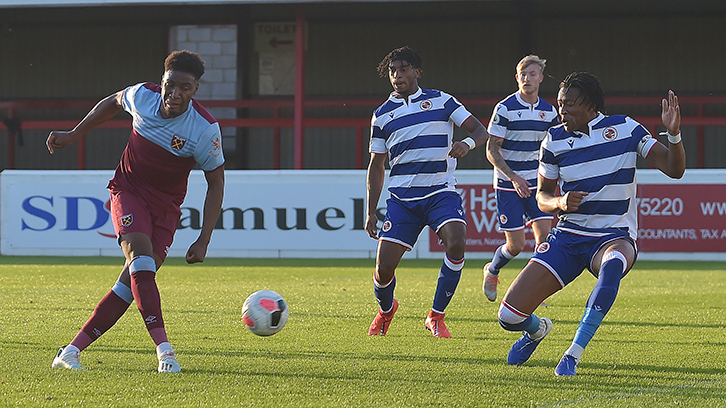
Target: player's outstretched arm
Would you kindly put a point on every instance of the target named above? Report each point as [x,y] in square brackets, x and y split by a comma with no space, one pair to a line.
[104,110]
[212,206]
[671,160]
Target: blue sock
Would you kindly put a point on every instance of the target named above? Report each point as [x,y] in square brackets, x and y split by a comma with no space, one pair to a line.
[501,258]
[449,276]
[601,299]
[384,293]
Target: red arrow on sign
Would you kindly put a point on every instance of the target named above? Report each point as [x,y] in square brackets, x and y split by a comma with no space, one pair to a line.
[275,42]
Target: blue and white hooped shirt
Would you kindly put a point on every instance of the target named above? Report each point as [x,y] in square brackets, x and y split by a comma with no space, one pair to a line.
[522,126]
[603,164]
[417,135]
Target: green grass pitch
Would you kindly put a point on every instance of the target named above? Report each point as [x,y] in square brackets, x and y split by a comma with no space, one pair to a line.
[663,343]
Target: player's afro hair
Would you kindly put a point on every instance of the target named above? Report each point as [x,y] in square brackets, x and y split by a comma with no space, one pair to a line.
[590,89]
[404,53]
[185,61]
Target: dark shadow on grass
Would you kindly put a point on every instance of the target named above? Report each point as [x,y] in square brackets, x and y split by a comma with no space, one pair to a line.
[619,369]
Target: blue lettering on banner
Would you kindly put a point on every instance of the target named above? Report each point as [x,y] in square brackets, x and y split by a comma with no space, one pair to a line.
[73,212]
[37,212]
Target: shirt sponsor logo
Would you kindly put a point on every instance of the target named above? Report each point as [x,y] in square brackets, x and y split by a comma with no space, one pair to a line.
[216,147]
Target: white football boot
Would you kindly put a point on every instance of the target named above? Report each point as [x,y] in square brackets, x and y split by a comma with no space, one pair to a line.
[68,358]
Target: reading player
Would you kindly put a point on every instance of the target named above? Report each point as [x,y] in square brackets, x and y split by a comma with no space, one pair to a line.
[593,159]
[516,129]
[415,128]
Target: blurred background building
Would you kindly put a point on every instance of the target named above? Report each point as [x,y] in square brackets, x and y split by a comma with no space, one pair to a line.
[285,103]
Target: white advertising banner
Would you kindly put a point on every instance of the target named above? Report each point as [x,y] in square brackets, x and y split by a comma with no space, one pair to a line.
[321,213]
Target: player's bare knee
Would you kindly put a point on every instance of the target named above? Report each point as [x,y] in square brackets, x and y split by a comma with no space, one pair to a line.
[456,247]
[383,273]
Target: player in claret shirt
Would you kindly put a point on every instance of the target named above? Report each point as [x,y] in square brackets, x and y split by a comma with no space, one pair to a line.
[413,129]
[172,133]
[592,158]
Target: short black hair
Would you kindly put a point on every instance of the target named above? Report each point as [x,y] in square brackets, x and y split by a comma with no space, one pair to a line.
[590,89]
[404,53]
[185,61]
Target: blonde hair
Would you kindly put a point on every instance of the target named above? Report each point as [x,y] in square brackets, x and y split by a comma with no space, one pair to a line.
[532,59]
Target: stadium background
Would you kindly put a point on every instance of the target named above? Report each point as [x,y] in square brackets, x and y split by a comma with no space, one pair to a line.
[61,51]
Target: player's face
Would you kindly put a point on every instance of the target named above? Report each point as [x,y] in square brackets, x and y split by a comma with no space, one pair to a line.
[529,79]
[404,78]
[177,90]
[575,112]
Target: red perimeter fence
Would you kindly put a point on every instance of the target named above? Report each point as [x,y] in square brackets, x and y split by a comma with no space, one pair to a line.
[277,122]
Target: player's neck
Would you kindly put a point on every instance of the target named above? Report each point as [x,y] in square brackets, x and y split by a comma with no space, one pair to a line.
[529,98]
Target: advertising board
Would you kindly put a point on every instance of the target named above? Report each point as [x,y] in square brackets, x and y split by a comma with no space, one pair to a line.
[321,213]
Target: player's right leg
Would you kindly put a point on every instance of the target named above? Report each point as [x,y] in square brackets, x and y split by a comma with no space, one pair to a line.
[106,314]
[514,244]
[510,210]
[384,283]
[532,286]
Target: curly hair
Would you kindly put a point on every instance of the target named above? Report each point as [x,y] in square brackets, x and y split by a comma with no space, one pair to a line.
[590,89]
[185,61]
[404,53]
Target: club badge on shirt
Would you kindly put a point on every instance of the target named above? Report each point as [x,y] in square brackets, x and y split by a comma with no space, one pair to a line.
[610,134]
[127,220]
[177,143]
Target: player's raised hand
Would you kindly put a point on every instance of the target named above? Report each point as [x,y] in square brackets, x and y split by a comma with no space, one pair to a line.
[671,115]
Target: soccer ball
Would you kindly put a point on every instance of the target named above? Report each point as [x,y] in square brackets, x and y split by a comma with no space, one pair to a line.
[265,313]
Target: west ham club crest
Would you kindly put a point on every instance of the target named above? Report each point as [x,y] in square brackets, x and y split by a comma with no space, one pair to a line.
[177,143]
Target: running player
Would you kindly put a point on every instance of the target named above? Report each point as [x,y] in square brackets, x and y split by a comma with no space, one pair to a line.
[516,129]
[415,128]
[593,158]
[171,134]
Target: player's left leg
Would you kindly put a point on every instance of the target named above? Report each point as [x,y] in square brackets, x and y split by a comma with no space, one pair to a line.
[610,263]
[142,270]
[453,236]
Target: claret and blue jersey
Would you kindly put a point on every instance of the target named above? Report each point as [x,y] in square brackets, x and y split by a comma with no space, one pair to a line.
[603,164]
[161,152]
[417,135]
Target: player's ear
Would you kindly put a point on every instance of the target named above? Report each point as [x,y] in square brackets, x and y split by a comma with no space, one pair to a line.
[417,73]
